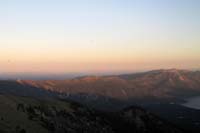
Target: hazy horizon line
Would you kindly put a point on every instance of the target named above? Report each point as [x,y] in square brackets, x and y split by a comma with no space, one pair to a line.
[70,75]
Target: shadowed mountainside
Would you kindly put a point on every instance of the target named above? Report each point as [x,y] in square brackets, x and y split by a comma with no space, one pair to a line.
[28,115]
[17,88]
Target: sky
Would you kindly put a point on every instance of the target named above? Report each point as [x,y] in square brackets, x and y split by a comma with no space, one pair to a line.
[99,36]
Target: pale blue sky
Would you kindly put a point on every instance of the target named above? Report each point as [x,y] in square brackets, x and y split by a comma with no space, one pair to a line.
[99,35]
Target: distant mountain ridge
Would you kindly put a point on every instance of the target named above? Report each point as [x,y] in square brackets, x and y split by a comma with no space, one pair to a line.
[115,91]
[156,84]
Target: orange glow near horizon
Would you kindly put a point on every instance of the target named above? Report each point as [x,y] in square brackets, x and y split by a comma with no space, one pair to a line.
[94,61]
[98,36]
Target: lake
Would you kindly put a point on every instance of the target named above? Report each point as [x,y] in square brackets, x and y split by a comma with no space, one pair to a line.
[193,103]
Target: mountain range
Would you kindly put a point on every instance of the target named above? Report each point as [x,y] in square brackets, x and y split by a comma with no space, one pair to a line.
[107,102]
[158,83]
[171,84]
